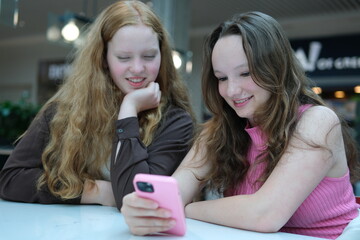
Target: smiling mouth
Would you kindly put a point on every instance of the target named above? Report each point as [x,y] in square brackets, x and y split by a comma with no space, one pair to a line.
[243,100]
[135,80]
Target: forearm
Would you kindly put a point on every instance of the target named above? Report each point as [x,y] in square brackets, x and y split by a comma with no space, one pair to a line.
[20,174]
[242,212]
[123,174]
[190,172]
[20,185]
[127,110]
[98,192]
[162,156]
[189,185]
[128,159]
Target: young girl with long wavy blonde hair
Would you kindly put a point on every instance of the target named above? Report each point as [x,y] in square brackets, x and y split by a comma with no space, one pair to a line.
[122,110]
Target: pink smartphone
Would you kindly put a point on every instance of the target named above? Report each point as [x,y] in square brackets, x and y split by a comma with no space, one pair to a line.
[164,190]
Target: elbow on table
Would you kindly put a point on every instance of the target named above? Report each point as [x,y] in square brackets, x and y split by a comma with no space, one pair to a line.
[269,223]
[267,228]
[4,189]
[7,195]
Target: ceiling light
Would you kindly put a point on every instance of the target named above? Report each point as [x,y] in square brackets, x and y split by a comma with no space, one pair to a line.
[177,59]
[357,89]
[70,31]
[189,66]
[317,90]
[67,28]
[9,12]
[339,94]
[53,33]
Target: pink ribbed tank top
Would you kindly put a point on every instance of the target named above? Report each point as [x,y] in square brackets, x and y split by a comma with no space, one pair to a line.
[324,213]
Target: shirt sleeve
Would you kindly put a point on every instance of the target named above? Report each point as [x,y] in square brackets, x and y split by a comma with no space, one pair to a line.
[18,178]
[171,142]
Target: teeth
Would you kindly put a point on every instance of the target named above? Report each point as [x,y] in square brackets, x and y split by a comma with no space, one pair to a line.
[243,100]
[136,80]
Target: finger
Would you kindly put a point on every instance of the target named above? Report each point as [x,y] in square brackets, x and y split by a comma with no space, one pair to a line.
[143,212]
[151,222]
[150,85]
[133,200]
[139,202]
[152,226]
[141,231]
[157,86]
[159,97]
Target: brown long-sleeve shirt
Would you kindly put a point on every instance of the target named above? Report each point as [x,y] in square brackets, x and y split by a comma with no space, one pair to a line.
[170,145]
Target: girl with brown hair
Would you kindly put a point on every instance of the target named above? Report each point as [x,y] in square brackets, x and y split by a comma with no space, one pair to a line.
[282,159]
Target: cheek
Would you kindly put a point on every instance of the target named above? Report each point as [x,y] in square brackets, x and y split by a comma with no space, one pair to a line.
[115,68]
[154,67]
[263,95]
[222,89]
[266,95]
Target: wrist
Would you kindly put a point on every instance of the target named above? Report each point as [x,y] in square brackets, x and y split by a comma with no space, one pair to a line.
[188,210]
[105,195]
[90,193]
[127,109]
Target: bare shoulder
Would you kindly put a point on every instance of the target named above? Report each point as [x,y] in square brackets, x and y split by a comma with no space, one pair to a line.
[319,114]
[318,121]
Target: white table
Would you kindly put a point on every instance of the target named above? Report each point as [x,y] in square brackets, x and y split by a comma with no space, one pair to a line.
[76,222]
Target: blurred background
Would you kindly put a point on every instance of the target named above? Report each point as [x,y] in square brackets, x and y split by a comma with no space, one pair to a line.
[36,37]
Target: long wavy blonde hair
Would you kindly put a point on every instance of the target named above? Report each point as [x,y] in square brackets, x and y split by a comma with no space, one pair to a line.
[87,105]
[274,67]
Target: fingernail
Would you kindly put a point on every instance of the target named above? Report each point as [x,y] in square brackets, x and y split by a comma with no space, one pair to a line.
[172,223]
[167,214]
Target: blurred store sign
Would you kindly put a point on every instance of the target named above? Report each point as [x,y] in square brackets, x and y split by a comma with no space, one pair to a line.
[331,56]
[51,75]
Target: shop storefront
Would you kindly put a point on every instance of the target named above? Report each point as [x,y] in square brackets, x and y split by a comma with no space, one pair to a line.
[333,63]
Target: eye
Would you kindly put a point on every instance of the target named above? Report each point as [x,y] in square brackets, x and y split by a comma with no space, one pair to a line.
[123,58]
[221,79]
[149,57]
[245,74]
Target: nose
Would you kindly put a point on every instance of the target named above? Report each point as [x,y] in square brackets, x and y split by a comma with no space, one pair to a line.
[137,66]
[233,87]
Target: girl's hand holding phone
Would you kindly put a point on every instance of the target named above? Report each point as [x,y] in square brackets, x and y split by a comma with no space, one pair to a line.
[143,216]
[154,207]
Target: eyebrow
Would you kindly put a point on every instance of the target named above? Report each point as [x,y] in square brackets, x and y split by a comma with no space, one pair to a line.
[146,50]
[243,65]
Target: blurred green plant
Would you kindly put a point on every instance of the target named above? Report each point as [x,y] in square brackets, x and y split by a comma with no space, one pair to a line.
[15,118]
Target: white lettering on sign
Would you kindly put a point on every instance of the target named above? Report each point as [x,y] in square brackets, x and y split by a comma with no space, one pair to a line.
[314,52]
[58,71]
[313,62]
[324,64]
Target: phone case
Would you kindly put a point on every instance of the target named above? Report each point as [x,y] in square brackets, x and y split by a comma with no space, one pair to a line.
[164,190]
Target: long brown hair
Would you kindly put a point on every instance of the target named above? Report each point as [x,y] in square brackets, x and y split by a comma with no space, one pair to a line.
[274,67]
[88,103]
